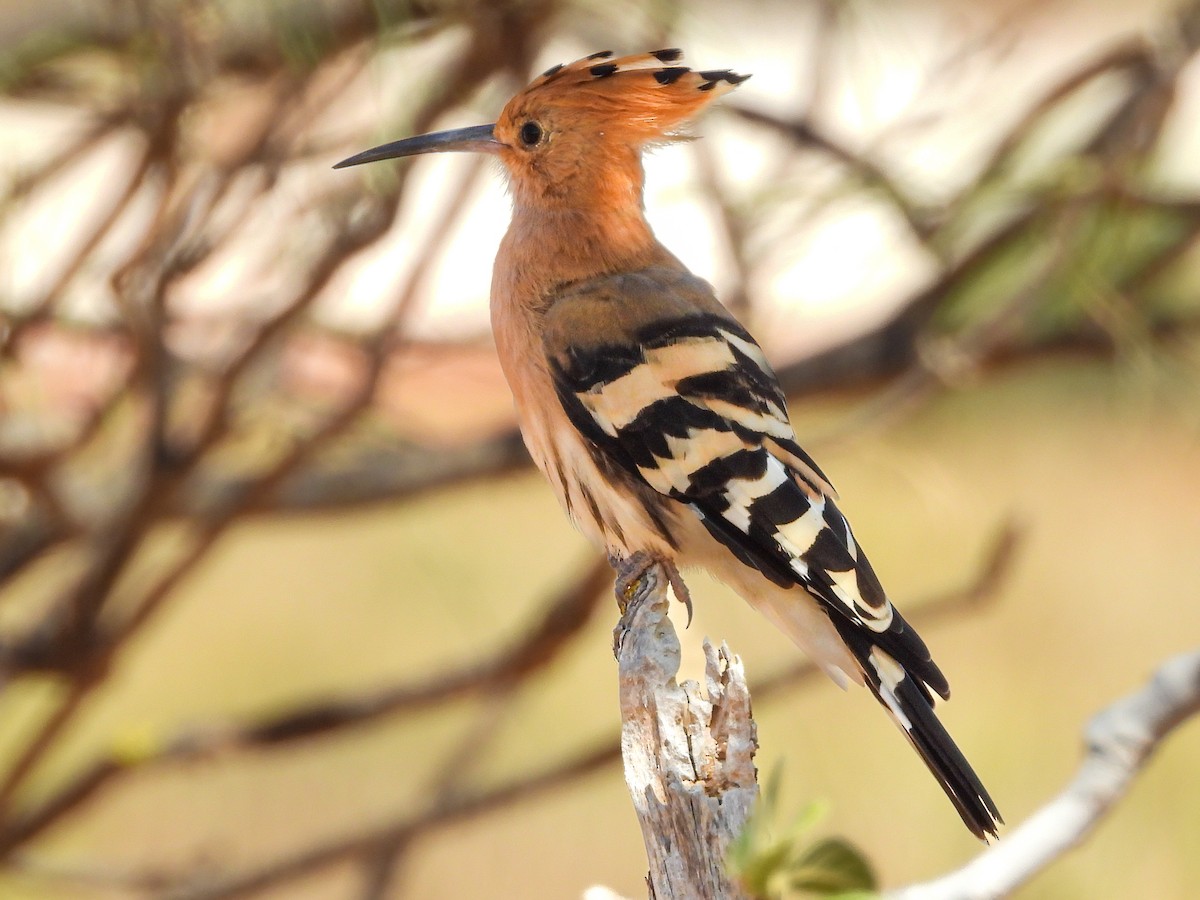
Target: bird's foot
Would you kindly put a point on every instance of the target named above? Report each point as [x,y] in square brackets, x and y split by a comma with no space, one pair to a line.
[632,569]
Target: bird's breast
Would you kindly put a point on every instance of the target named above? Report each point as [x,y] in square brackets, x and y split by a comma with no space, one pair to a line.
[611,507]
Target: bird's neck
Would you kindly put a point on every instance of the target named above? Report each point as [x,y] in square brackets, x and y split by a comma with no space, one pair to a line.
[548,246]
[573,221]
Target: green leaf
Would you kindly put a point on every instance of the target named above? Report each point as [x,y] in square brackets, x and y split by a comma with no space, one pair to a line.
[759,858]
[832,867]
[774,863]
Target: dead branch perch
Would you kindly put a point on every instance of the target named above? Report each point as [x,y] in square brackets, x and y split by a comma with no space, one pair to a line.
[689,755]
[1120,741]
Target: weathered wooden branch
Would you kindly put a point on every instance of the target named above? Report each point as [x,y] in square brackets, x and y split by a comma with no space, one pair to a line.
[688,752]
[1120,741]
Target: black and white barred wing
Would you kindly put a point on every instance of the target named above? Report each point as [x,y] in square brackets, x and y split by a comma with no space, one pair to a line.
[690,406]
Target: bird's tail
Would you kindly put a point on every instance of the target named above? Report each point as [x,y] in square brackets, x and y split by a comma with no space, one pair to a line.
[895,664]
[910,704]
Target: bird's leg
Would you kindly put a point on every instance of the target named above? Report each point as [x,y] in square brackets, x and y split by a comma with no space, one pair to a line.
[636,580]
[630,571]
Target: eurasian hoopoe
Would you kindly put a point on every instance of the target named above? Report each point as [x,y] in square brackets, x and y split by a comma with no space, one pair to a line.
[652,412]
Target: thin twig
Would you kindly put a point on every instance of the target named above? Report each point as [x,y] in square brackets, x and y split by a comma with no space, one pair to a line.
[1118,742]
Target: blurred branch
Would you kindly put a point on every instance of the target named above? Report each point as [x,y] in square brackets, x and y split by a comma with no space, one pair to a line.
[1119,742]
[807,134]
[363,476]
[256,41]
[731,227]
[103,224]
[365,844]
[894,345]
[380,867]
[561,620]
[93,133]
[405,827]
[945,361]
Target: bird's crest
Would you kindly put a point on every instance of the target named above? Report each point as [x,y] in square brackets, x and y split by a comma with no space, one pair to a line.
[644,96]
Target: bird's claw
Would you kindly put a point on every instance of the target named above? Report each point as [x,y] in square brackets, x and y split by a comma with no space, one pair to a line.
[631,571]
[682,594]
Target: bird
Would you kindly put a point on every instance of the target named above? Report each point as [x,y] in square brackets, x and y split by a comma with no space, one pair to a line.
[652,411]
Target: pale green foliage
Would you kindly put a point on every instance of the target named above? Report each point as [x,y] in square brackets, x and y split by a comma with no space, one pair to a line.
[783,863]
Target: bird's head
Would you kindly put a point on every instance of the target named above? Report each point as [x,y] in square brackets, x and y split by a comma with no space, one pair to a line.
[576,133]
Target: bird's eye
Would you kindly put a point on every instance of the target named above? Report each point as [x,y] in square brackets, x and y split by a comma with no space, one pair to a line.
[531,133]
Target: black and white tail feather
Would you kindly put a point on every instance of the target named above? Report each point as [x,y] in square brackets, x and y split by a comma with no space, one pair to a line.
[900,672]
[910,705]
[688,405]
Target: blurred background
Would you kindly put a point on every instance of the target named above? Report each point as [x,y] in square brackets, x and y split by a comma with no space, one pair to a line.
[285,612]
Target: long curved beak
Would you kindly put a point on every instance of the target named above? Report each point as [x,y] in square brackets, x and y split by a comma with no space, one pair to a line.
[477,139]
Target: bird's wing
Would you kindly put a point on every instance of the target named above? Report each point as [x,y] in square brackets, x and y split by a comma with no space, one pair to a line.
[665,384]
[681,396]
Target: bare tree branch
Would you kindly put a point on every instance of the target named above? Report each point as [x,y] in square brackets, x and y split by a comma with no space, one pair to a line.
[689,753]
